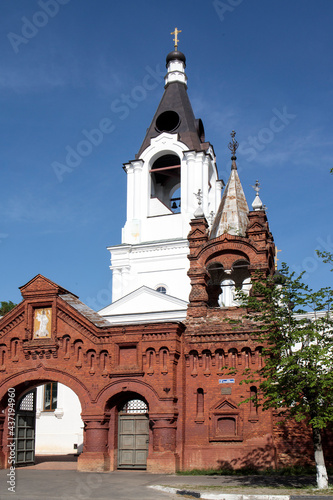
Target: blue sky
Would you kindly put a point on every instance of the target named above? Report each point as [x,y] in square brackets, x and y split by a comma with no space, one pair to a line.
[261,68]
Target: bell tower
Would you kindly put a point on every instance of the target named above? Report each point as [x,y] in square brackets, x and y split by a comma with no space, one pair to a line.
[173,164]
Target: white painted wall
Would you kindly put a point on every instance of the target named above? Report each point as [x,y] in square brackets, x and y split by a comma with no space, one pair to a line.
[58,431]
[151,264]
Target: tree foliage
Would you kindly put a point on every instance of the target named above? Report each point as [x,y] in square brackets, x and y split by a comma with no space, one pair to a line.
[327,257]
[5,307]
[295,324]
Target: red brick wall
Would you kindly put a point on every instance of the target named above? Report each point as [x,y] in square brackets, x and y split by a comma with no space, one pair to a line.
[195,421]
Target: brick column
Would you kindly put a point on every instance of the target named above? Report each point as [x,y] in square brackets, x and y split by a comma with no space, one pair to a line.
[164,434]
[163,457]
[198,298]
[95,456]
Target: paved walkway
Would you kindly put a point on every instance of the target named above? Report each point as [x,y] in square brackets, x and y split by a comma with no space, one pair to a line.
[36,484]
[54,462]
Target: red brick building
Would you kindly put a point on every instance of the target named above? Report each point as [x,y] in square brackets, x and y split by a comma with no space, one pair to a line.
[153,393]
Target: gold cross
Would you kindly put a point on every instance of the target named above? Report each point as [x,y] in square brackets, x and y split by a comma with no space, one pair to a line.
[275,258]
[176,37]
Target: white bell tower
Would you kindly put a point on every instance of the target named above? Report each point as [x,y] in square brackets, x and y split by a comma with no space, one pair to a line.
[174,162]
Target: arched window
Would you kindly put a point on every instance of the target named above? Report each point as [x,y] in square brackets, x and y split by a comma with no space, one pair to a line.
[200,402]
[165,183]
[253,402]
[194,363]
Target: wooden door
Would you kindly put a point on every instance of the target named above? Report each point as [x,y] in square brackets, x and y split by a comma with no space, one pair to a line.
[133,438]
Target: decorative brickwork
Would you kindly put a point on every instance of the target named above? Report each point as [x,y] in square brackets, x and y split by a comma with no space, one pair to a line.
[175,369]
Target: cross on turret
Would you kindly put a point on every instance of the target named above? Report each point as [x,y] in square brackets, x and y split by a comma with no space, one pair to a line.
[176,37]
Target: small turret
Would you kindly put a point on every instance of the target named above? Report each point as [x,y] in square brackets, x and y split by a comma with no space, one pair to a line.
[231,217]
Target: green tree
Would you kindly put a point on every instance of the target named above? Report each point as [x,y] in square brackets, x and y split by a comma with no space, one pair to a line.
[295,323]
[5,307]
[327,257]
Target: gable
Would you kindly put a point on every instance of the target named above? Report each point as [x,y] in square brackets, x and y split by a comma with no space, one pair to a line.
[41,286]
[225,404]
[144,300]
[255,226]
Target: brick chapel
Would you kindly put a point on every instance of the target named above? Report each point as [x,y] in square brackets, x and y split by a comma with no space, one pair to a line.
[148,369]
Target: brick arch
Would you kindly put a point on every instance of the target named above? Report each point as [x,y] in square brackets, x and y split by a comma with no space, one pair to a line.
[120,398]
[112,391]
[28,379]
[227,244]
[227,257]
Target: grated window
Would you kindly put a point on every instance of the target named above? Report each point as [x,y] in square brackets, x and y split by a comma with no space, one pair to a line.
[135,406]
[27,402]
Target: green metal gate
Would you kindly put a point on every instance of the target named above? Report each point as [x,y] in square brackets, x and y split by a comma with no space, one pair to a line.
[25,429]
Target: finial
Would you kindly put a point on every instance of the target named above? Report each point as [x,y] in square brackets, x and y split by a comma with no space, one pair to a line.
[233,145]
[256,187]
[257,203]
[176,37]
[199,212]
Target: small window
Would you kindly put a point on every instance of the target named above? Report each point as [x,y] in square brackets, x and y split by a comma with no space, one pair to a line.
[50,396]
[200,402]
[167,121]
[135,406]
[161,289]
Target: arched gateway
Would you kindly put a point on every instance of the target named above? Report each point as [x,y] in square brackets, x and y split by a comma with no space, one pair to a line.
[52,337]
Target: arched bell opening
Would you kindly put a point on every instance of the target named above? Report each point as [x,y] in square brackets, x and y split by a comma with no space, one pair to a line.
[223,283]
[165,184]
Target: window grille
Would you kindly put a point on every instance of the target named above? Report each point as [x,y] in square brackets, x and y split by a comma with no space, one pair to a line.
[135,406]
[27,403]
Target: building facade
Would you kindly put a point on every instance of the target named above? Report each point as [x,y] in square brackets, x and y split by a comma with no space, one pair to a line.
[148,370]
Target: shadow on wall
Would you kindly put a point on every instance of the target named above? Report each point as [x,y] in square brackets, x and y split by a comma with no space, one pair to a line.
[259,458]
[294,444]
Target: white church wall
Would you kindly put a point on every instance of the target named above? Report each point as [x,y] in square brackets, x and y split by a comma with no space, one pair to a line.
[151,264]
[59,432]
